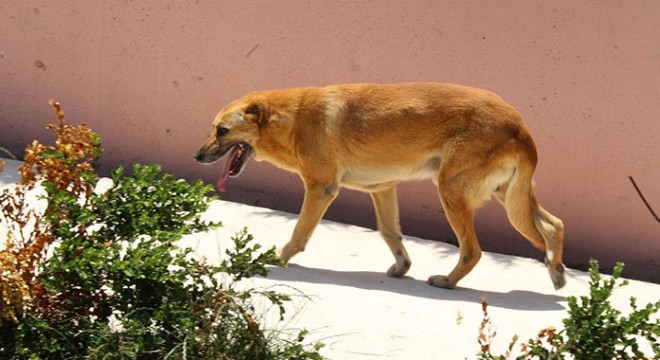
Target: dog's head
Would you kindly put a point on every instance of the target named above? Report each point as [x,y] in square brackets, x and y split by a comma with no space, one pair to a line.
[234,131]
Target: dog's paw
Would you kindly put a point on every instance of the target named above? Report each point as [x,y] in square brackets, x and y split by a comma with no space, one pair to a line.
[398,270]
[441,281]
[557,274]
[288,251]
[283,254]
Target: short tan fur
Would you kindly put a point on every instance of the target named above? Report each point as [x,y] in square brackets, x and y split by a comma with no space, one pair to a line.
[468,141]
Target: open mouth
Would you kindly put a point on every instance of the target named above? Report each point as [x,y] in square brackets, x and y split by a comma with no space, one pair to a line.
[238,156]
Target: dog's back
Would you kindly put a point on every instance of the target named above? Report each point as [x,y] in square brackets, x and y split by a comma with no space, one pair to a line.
[380,133]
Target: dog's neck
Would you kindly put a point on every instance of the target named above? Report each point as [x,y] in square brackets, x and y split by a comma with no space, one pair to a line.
[276,144]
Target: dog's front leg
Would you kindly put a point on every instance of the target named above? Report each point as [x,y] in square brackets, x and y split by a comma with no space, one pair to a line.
[387,215]
[318,197]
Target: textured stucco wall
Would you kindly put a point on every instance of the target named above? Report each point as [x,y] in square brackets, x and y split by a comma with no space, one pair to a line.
[149,76]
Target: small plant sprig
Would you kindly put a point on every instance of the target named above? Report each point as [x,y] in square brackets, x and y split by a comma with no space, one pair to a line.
[65,168]
[487,332]
[594,329]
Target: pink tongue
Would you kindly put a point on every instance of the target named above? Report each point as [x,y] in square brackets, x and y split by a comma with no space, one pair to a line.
[220,185]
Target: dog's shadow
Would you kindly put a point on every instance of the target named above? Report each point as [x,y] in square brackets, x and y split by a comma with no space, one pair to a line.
[369,280]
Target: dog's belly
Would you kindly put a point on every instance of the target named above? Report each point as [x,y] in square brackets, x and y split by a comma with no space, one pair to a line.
[371,177]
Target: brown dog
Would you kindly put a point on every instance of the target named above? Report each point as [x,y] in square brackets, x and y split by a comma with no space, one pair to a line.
[368,137]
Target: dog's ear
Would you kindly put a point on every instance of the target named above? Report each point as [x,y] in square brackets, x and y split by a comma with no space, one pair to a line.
[255,113]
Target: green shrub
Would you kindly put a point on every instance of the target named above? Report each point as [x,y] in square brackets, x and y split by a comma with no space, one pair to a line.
[593,329]
[100,275]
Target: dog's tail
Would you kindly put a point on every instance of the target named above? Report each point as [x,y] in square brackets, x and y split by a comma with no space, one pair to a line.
[542,229]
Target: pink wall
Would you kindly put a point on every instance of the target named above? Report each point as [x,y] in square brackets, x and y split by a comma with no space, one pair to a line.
[150,75]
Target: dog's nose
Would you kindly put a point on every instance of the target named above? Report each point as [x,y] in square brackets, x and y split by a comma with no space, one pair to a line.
[197,156]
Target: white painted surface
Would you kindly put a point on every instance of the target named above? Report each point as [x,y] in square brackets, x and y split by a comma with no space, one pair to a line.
[360,313]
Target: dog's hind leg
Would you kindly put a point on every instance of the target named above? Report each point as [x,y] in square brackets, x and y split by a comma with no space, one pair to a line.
[536,241]
[387,216]
[552,230]
[317,199]
[459,209]
[541,228]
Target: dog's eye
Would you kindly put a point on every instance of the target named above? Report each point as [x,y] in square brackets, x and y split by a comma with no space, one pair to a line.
[252,110]
[221,131]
